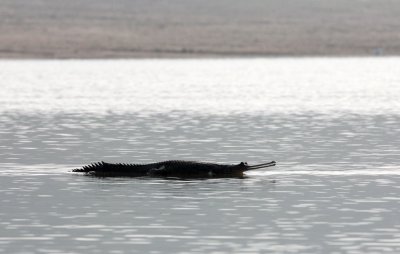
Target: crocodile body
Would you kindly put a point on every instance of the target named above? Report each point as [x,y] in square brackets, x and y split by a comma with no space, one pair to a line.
[169,169]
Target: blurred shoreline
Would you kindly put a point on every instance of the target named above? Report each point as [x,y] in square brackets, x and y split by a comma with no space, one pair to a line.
[56,29]
[137,54]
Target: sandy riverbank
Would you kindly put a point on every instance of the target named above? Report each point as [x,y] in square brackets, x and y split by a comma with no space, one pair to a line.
[186,28]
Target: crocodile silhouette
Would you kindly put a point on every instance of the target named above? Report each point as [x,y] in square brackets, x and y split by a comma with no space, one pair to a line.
[173,168]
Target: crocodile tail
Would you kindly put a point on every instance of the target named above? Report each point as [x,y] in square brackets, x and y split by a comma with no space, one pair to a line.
[91,167]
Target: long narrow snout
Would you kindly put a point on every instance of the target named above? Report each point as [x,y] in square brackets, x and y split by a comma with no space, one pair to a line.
[263,165]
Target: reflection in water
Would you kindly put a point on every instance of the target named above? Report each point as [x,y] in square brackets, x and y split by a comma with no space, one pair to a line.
[70,213]
[331,124]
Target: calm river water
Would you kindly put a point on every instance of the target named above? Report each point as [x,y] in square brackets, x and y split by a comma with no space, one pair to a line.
[332,124]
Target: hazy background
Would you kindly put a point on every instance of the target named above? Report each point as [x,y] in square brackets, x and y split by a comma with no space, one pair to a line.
[165,28]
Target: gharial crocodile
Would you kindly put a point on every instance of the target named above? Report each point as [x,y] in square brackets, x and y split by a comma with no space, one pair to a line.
[175,168]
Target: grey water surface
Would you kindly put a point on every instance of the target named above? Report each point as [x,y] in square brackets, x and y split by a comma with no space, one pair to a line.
[332,124]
